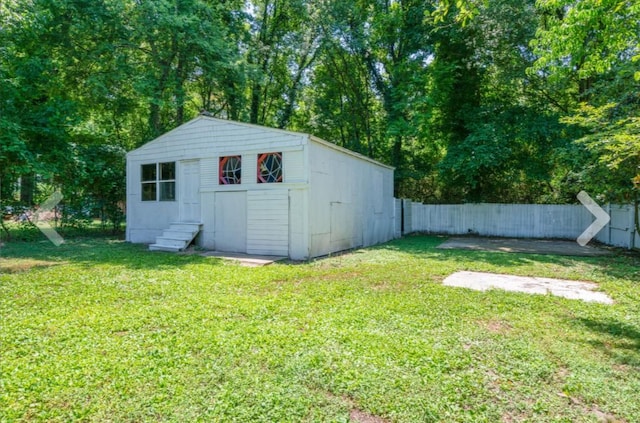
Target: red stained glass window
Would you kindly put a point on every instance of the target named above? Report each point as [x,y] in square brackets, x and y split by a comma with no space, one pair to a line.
[230,170]
[269,168]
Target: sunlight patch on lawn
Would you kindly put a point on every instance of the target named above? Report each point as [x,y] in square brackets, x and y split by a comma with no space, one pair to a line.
[17,265]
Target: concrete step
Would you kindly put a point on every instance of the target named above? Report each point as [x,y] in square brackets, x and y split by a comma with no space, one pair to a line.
[177,237]
[157,247]
[185,226]
[171,242]
[187,236]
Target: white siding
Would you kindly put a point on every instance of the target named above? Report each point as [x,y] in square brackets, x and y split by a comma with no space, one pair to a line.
[298,224]
[231,221]
[346,226]
[209,173]
[294,164]
[378,200]
[250,169]
[268,222]
[350,200]
[209,137]
[208,219]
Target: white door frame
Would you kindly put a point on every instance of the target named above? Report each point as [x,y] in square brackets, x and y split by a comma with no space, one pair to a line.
[189,190]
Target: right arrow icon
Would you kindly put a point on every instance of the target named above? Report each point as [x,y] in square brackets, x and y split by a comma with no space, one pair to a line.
[602,218]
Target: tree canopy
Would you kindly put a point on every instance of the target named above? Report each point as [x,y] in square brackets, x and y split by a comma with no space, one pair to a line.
[492,100]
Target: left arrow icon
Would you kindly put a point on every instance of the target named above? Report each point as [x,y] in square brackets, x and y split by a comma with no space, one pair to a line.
[45,227]
[602,218]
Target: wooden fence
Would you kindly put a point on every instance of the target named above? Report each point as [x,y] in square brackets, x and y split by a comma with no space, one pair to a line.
[516,221]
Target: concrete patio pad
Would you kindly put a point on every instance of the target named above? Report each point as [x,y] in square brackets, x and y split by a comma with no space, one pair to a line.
[247,260]
[531,246]
[574,290]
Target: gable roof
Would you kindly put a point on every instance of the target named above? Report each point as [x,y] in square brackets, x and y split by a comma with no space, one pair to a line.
[204,117]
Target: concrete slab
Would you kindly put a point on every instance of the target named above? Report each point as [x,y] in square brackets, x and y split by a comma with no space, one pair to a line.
[529,246]
[576,290]
[247,260]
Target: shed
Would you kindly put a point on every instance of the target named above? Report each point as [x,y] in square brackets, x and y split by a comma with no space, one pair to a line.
[238,187]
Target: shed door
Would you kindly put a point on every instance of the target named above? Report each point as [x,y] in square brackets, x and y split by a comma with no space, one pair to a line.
[268,222]
[189,191]
[231,221]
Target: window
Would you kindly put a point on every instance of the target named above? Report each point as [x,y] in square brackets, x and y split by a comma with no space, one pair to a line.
[159,181]
[149,182]
[269,168]
[167,181]
[230,170]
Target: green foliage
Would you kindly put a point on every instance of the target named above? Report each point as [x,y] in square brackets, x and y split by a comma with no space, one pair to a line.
[589,49]
[478,100]
[505,158]
[502,141]
[465,10]
[92,186]
[612,133]
[578,40]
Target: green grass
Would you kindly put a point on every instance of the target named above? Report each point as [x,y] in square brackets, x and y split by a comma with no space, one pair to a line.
[26,231]
[101,330]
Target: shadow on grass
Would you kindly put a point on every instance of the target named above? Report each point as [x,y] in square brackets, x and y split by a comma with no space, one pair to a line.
[425,247]
[105,250]
[620,265]
[625,345]
[97,251]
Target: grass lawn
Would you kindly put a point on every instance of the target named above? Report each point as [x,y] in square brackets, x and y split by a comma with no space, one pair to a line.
[101,330]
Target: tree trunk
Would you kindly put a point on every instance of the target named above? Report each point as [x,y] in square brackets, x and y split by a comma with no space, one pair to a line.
[27,188]
[255,103]
[154,119]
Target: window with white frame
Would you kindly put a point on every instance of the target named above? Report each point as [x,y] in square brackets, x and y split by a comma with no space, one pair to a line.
[158,181]
[269,168]
[230,170]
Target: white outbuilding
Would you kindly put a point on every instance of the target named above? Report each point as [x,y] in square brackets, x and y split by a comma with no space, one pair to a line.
[237,187]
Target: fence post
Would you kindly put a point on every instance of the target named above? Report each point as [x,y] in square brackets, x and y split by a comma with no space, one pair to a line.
[406,216]
[397,218]
[632,227]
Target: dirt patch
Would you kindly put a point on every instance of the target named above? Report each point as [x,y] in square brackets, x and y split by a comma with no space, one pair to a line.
[527,246]
[625,368]
[23,265]
[359,416]
[497,326]
[356,415]
[600,415]
[512,418]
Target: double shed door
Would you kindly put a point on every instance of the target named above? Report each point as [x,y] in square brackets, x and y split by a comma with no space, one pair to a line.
[254,222]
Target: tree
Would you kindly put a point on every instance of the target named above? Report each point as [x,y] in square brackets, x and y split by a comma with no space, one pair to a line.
[60,79]
[282,46]
[589,49]
[499,136]
[176,42]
